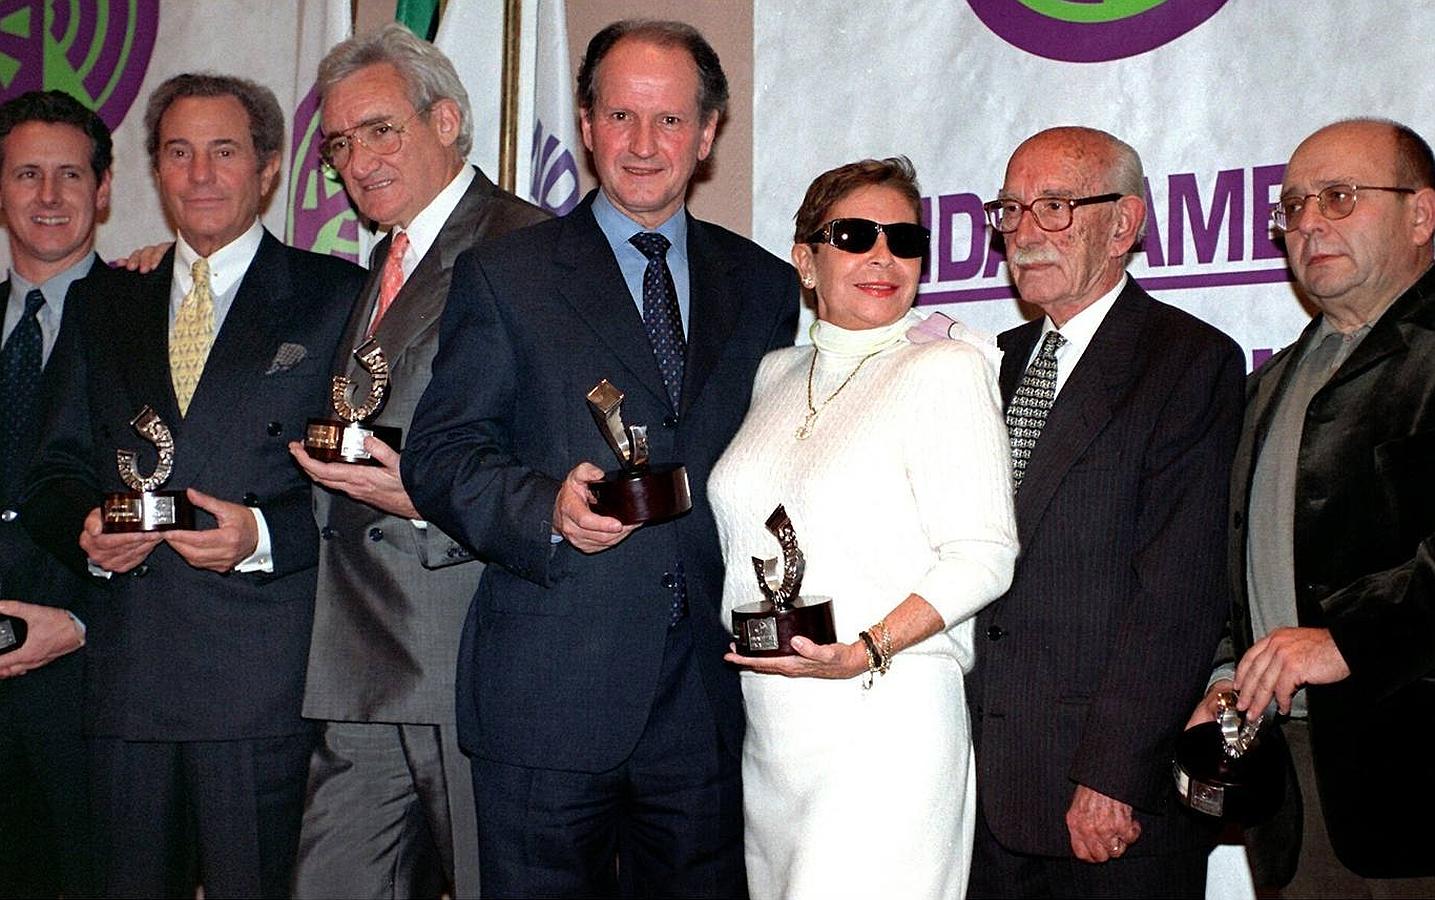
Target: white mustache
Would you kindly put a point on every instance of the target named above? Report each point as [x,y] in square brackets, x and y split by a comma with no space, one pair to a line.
[1034,257]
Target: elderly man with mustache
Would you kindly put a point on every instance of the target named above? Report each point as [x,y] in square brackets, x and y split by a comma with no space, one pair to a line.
[1123,414]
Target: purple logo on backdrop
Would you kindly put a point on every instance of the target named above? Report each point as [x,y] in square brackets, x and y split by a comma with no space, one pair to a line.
[1092,30]
[320,216]
[1211,231]
[96,52]
[555,175]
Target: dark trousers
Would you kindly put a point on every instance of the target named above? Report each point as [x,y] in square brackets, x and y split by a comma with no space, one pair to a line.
[1003,873]
[176,814]
[667,822]
[46,847]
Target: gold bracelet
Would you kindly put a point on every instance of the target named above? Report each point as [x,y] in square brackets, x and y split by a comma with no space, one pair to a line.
[870,647]
[886,647]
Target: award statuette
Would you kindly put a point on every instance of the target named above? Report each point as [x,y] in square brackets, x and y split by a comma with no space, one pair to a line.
[1232,768]
[766,628]
[342,439]
[12,633]
[144,508]
[638,492]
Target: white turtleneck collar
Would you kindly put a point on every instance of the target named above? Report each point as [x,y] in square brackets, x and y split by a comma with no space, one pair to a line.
[840,341]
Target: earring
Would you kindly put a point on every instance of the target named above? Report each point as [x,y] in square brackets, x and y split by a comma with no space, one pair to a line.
[808,281]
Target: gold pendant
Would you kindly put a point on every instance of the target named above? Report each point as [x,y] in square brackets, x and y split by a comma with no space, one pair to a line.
[804,431]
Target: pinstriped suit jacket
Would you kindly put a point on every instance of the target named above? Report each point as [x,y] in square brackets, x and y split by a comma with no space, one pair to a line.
[1088,667]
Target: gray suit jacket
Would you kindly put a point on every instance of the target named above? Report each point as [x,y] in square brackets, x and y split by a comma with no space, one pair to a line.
[392,597]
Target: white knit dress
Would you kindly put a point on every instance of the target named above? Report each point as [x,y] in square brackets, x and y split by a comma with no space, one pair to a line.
[903,487]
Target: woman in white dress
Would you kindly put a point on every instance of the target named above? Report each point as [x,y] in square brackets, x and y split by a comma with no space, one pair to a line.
[891,459]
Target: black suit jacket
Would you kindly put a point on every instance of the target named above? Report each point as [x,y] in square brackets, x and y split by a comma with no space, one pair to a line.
[47,698]
[561,649]
[1091,663]
[1365,569]
[177,653]
[392,598]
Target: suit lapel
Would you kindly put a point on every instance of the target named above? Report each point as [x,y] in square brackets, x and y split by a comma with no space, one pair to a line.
[239,358]
[595,289]
[143,302]
[1083,407]
[713,310]
[1016,346]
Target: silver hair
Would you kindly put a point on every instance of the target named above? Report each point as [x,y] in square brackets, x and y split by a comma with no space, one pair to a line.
[428,74]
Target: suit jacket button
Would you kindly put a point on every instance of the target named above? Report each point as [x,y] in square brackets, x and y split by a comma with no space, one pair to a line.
[275,429]
[328,533]
[995,633]
[670,581]
[376,534]
[251,499]
[9,515]
[670,421]
[140,570]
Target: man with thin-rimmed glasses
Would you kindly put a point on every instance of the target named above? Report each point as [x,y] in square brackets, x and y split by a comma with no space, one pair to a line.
[1333,524]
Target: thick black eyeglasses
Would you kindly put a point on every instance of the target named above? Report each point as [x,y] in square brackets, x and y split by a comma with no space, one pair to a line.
[1335,202]
[906,240]
[1051,213]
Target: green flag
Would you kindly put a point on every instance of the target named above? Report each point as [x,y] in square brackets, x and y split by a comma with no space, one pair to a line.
[421,16]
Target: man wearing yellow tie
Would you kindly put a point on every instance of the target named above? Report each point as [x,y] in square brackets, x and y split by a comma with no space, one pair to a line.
[197,648]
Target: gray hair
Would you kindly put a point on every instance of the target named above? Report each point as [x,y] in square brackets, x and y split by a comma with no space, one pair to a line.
[428,74]
[266,117]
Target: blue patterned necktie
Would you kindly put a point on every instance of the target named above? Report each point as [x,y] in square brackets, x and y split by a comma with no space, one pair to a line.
[1026,415]
[20,367]
[661,317]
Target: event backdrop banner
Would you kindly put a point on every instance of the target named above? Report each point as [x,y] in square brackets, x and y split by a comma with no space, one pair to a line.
[112,53]
[1214,94]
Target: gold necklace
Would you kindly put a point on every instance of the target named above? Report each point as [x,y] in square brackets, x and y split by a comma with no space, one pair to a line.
[804,431]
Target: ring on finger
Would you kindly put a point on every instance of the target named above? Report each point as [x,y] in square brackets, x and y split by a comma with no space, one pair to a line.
[1117,845]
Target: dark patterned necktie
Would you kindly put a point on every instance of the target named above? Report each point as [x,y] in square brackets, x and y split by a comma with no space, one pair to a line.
[1026,415]
[661,317]
[20,367]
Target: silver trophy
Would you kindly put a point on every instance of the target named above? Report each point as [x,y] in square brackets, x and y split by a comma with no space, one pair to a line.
[144,507]
[342,439]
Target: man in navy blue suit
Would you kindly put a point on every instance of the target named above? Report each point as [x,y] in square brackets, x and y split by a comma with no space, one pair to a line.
[605,729]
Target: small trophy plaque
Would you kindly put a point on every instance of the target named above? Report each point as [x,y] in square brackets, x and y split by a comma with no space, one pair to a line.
[12,634]
[1232,768]
[144,508]
[342,439]
[638,492]
[766,628]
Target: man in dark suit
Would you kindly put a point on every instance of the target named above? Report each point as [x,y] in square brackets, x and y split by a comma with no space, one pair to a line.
[198,638]
[54,186]
[605,728]
[1332,517]
[390,801]
[1123,415]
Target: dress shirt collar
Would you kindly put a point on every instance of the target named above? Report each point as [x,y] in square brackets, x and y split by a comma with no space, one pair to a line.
[424,228]
[55,288]
[617,228]
[1081,328]
[227,265]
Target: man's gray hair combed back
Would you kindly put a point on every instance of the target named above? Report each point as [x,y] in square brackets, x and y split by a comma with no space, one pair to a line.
[428,74]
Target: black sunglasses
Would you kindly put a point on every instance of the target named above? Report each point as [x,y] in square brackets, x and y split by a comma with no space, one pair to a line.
[906,240]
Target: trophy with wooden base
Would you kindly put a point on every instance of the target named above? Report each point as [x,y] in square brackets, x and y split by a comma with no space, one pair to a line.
[1232,768]
[766,628]
[144,508]
[342,439]
[639,491]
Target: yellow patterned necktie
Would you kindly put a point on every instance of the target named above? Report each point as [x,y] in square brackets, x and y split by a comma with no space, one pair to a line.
[192,336]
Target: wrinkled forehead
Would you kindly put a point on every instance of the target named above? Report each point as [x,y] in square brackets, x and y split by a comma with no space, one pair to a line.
[1361,153]
[1056,165]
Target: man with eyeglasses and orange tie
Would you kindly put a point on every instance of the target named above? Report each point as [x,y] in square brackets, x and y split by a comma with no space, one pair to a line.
[1332,525]
[390,804]
[1123,414]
